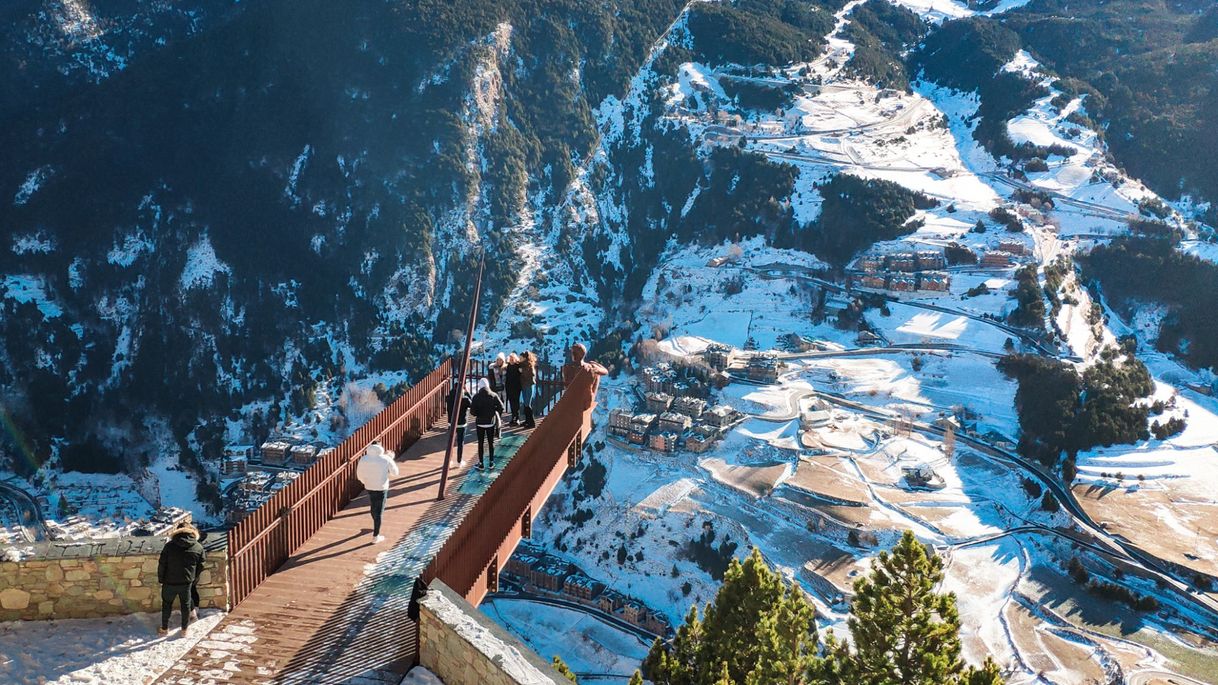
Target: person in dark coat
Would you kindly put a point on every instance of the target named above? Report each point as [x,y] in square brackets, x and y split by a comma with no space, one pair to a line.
[511,386]
[486,407]
[194,587]
[528,379]
[458,411]
[180,565]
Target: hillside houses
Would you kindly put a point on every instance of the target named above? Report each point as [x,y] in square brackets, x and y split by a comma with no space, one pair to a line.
[640,427]
[718,356]
[672,422]
[673,413]
[663,441]
[687,424]
[721,416]
[689,406]
[658,402]
[302,455]
[1007,254]
[996,260]
[701,438]
[764,368]
[275,452]
[903,272]
[281,453]
[545,574]
[235,459]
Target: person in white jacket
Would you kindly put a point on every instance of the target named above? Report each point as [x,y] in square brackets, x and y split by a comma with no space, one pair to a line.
[374,470]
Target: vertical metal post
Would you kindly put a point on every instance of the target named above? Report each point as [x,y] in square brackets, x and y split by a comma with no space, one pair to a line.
[469,341]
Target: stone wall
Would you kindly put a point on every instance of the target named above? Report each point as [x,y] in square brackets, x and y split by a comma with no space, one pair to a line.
[99,578]
[461,645]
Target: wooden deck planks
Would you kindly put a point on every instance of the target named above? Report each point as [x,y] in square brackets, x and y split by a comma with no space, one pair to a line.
[333,613]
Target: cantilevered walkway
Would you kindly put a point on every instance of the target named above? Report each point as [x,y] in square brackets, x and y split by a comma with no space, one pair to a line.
[336,611]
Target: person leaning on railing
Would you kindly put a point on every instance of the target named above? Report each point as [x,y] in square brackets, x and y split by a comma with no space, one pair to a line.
[578,363]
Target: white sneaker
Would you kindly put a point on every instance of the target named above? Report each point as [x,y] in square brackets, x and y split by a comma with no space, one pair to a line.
[378,539]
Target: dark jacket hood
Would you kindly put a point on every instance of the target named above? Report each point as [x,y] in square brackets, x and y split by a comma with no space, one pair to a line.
[186,536]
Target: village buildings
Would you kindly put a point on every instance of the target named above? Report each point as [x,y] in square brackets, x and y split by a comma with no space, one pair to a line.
[689,406]
[658,402]
[541,573]
[903,272]
[718,356]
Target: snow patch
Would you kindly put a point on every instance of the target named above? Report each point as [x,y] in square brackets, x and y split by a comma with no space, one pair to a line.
[298,167]
[202,265]
[32,183]
[28,288]
[133,245]
[101,651]
[32,243]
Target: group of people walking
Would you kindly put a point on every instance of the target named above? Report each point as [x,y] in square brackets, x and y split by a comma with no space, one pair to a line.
[513,379]
[507,390]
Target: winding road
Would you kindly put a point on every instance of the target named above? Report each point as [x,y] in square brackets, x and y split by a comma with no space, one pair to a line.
[1116,546]
[33,527]
[646,637]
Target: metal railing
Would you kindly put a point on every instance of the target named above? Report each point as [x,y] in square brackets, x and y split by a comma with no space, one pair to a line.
[262,541]
[489,532]
[547,387]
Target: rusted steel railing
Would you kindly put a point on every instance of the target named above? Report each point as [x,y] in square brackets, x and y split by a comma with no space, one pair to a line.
[263,540]
[470,559]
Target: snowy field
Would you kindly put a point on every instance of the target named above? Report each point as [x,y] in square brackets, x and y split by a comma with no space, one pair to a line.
[587,644]
[123,650]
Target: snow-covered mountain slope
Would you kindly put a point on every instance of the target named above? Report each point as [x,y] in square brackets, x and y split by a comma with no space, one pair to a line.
[820,501]
[220,216]
[272,229]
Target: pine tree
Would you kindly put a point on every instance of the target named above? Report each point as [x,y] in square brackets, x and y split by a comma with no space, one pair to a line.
[988,674]
[757,630]
[636,679]
[904,632]
[563,669]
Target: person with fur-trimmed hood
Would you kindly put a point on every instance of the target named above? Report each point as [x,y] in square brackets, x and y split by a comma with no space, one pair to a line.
[179,568]
[374,470]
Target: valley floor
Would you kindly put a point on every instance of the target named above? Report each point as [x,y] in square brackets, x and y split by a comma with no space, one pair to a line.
[820,501]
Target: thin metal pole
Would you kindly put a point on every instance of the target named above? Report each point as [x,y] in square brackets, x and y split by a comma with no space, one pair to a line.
[454,410]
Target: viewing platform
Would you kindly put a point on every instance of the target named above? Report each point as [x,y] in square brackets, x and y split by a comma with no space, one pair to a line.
[338,607]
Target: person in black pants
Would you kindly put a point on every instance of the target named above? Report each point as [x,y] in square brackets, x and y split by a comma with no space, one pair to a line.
[511,386]
[458,410]
[179,567]
[194,587]
[486,407]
